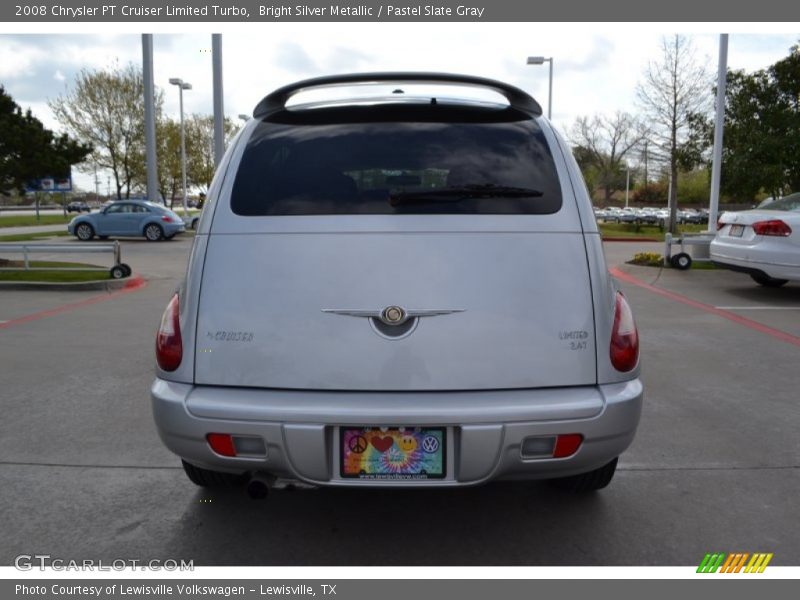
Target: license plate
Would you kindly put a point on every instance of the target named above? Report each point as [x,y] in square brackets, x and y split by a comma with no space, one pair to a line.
[736,231]
[393,453]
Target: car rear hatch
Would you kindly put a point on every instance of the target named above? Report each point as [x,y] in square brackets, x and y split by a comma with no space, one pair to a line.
[331,225]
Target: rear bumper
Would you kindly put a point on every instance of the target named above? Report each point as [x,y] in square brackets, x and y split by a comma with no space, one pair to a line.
[752,260]
[485,429]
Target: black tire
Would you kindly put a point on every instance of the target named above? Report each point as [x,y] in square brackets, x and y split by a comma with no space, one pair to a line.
[117,272]
[587,482]
[154,232]
[194,223]
[207,478]
[127,269]
[681,261]
[84,232]
[768,281]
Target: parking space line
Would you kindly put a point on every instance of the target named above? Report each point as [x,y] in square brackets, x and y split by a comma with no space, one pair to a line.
[132,285]
[725,314]
[758,307]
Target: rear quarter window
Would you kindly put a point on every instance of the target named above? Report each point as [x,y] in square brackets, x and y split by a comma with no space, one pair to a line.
[396,167]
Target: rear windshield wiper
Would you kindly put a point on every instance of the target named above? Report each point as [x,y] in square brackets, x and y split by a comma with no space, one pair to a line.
[462,192]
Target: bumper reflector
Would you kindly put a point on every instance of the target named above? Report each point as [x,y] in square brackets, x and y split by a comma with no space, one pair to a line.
[567,445]
[221,443]
[226,444]
[551,446]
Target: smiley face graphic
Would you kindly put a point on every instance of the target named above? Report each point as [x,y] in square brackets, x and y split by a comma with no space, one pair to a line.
[407,443]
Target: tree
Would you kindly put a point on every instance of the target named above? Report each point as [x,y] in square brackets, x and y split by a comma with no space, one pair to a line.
[30,151]
[105,109]
[168,150]
[200,148]
[603,143]
[674,91]
[762,130]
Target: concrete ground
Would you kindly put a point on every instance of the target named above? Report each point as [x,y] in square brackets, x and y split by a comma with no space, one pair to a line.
[715,466]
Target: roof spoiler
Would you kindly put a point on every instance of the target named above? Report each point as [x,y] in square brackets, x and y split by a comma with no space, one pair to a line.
[276,101]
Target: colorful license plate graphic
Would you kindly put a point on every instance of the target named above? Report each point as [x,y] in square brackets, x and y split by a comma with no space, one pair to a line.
[394,453]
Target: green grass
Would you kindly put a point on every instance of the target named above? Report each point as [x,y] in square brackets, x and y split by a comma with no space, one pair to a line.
[52,276]
[631,230]
[30,220]
[30,237]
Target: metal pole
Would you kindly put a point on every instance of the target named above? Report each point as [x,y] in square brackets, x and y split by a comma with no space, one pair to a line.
[149,117]
[219,111]
[550,93]
[719,123]
[627,183]
[183,153]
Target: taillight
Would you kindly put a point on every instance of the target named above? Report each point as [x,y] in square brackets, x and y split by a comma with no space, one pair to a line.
[720,225]
[169,346]
[166,219]
[774,227]
[624,337]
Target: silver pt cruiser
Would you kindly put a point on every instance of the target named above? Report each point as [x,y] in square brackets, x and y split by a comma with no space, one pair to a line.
[405,289]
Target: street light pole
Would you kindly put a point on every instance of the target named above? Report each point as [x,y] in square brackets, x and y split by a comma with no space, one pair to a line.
[182,85]
[540,60]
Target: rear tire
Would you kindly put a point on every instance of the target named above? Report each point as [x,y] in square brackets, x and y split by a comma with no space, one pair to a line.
[587,482]
[768,281]
[117,272]
[207,478]
[153,233]
[681,261]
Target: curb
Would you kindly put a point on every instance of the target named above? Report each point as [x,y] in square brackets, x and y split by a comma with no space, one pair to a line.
[109,285]
[628,239]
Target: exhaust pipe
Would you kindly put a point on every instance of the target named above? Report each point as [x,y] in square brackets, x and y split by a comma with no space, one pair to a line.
[258,486]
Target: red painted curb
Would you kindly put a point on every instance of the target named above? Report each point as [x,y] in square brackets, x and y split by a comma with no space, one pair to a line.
[754,325]
[134,284]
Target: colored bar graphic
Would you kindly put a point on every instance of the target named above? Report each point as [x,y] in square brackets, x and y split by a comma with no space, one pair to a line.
[733,563]
[741,562]
[703,563]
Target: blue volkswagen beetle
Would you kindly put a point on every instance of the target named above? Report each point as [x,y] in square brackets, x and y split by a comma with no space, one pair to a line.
[128,218]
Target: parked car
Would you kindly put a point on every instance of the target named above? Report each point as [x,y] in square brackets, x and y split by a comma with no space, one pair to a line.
[78,207]
[763,242]
[612,214]
[128,218]
[403,291]
[646,216]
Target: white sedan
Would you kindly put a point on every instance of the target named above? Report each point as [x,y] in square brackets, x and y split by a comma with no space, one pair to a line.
[764,242]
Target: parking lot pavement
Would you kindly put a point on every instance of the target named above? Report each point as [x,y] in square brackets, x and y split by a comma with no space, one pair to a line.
[715,465]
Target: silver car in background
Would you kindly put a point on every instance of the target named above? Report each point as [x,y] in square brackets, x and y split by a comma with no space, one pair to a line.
[402,290]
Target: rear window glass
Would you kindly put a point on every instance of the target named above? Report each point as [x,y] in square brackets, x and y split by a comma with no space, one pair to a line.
[396,167]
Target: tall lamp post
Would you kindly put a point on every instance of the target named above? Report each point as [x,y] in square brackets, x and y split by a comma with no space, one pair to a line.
[182,85]
[540,60]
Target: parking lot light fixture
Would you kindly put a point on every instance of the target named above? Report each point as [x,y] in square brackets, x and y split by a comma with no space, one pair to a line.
[244,117]
[540,60]
[182,85]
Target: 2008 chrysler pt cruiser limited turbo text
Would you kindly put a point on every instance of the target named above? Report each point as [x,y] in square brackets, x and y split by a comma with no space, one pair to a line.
[398,289]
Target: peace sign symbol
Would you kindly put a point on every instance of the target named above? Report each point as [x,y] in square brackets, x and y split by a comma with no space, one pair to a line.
[357,444]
